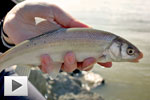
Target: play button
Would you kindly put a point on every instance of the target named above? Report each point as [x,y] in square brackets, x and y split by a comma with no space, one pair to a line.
[15,85]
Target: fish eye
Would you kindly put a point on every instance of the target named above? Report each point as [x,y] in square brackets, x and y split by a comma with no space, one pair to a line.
[130,51]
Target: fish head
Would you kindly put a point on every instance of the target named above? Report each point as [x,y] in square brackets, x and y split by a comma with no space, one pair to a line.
[123,51]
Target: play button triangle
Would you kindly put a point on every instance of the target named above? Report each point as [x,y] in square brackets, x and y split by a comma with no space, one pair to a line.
[15,85]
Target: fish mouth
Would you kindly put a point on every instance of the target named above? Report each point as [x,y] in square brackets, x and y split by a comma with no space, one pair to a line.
[138,58]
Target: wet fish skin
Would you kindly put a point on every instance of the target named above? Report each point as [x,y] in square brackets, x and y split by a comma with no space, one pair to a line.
[84,42]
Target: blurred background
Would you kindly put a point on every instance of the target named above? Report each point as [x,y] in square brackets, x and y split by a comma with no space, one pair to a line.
[129,19]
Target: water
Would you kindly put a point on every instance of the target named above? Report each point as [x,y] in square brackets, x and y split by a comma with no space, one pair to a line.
[131,20]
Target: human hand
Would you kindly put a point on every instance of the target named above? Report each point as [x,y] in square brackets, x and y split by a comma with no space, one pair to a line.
[20,24]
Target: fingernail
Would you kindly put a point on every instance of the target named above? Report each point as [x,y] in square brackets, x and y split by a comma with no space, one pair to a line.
[70,58]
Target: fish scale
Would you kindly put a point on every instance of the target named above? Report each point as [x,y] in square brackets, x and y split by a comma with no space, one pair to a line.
[84,42]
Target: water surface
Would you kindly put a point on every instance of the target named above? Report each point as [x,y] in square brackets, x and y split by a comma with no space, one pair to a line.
[131,20]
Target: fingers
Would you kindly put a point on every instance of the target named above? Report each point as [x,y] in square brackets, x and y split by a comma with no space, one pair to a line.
[46,64]
[107,64]
[70,63]
[87,64]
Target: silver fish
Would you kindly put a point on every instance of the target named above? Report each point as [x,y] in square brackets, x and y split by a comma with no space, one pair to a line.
[84,42]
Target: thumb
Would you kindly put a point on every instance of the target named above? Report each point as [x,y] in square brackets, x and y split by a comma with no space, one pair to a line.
[64,19]
[50,12]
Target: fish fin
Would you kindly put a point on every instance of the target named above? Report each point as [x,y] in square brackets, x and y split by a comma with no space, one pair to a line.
[23,70]
[53,74]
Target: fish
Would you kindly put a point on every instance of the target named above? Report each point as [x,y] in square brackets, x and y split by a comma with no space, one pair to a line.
[83,42]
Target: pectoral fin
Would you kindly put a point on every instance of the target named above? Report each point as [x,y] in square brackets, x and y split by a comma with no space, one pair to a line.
[55,70]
